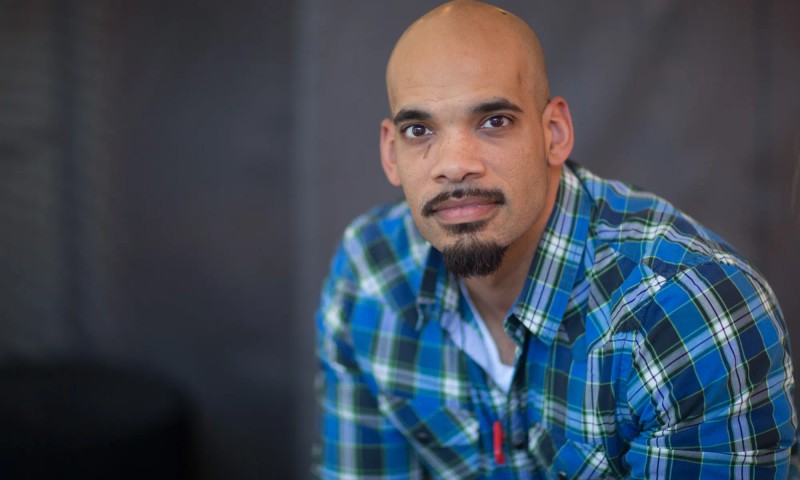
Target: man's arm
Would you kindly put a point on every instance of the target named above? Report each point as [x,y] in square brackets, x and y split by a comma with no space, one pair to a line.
[357,440]
[712,380]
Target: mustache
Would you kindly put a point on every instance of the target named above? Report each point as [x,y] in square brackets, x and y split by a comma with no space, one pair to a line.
[493,196]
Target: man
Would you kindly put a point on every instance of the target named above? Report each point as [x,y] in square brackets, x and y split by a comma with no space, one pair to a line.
[519,317]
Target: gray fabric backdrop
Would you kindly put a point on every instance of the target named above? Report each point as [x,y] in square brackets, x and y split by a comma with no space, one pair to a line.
[174,175]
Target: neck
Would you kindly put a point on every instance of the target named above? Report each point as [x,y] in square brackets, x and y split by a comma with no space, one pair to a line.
[495,294]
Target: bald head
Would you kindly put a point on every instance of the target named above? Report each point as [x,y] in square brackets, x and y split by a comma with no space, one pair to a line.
[474,34]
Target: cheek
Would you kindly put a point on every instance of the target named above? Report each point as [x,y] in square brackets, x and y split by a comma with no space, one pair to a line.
[415,202]
[412,175]
[530,187]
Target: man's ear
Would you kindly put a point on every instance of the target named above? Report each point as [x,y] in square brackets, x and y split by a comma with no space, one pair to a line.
[559,134]
[388,156]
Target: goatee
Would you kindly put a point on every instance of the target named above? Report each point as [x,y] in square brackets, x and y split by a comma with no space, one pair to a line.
[472,257]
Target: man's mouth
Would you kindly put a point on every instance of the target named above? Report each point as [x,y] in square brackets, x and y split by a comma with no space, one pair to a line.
[461,206]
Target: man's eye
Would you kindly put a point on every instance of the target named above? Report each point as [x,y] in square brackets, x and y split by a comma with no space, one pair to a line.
[416,131]
[496,121]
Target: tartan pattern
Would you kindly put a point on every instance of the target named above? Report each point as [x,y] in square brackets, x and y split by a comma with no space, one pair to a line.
[648,348]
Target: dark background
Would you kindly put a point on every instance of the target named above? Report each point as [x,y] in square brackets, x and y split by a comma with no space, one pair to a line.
[174,175]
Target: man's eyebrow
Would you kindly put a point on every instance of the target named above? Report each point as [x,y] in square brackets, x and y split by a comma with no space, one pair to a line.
[413,114]
[408,114]
[495,106]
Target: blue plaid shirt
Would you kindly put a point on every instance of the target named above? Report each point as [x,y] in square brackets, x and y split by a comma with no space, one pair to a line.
[647,348]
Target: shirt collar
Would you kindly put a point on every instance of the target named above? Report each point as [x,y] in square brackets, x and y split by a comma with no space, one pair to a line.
[547,290]
[438,290]
[557,261]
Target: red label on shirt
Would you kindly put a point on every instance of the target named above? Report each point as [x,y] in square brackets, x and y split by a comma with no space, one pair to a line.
[499,457]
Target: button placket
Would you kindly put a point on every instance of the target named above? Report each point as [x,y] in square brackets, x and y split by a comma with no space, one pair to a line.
[518,432]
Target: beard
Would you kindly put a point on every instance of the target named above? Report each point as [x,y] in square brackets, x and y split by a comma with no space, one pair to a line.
[469,256]
[472,257]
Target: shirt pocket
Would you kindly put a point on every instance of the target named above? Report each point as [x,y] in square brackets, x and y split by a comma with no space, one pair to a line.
[566,458]
[446,439]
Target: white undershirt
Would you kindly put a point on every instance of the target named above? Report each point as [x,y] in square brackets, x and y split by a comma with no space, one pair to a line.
[499,371]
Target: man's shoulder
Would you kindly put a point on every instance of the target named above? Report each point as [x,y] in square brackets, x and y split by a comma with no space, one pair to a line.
[386,217]
[650,231]
[658,262]
[388,225]
[380,247]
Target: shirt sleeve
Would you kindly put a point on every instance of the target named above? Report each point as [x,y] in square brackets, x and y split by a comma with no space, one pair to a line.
[712,381]
[357,441]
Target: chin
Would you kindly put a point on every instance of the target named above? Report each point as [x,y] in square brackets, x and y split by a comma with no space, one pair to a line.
[471,256]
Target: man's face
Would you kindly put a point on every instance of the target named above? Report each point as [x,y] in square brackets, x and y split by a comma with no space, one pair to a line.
[467,145]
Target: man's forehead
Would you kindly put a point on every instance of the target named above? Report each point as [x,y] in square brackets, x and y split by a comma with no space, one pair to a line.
[453,82]
[430,58]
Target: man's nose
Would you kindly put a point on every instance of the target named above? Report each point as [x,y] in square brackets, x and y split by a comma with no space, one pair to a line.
[458,158]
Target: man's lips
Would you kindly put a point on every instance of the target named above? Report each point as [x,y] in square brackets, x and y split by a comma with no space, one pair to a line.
[460,206]
[465,210]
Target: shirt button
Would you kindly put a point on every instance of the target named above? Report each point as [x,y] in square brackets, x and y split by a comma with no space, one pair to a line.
[422,436]
[562,475]
[519,439]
